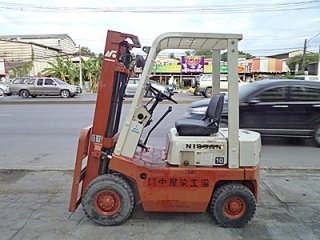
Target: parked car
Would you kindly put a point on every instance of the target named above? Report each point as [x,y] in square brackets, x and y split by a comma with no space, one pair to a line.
[17,83]
[133,83]
[204,84]
[45,87]
[4,87]
[287,108]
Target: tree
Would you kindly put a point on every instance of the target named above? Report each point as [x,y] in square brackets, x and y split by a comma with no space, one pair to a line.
[189,53]
[57,69]
[85,51]
[23,70]
[68,71]
[205,53]
[63,68]
[293,61]
[240,53]
[91,71]
[208,54]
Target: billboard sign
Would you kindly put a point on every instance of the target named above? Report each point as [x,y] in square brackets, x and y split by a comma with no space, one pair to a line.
[192,64]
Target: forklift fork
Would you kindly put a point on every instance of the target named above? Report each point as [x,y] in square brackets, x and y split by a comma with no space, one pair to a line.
[79,170]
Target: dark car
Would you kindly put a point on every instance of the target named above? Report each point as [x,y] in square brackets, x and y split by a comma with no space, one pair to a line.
[277,107]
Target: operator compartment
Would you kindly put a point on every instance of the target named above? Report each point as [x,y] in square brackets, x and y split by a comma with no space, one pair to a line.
[194,150]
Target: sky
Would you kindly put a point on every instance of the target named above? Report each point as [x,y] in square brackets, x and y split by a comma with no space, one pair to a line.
[268,27]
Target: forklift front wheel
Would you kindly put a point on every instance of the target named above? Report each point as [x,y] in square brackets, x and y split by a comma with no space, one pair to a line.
[108,200]
[233,205]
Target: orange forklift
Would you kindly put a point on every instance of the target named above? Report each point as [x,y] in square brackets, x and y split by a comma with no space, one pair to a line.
[202,166]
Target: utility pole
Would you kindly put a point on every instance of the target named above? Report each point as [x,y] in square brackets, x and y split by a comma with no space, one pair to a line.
[80,68]
[319,62]
[304,54]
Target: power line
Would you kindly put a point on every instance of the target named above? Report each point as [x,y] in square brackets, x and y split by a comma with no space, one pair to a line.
[216,9]
[313,37]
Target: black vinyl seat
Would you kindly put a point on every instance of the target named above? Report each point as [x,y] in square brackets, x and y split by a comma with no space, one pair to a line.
[208,125]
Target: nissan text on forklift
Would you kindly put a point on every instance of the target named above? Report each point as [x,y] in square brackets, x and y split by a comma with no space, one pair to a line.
[202,167]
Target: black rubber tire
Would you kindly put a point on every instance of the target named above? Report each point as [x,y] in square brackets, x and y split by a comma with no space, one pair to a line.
[208,92]
[227,192]
[65,93]
[316,135]
[116,184]
[24,93]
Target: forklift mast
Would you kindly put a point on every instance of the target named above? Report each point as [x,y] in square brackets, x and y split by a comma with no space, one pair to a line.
[113,80]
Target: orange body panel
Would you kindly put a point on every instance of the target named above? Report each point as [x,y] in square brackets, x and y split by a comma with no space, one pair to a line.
[115,49]
[110,66]
[165,188]
[79,172]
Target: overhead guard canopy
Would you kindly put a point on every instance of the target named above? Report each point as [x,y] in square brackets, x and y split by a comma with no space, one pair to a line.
[196,41]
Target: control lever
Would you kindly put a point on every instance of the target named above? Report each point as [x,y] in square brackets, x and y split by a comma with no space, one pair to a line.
[142,145]
[157,123]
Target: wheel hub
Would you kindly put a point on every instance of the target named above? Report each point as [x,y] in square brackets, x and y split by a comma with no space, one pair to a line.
[107,202]
[234,207]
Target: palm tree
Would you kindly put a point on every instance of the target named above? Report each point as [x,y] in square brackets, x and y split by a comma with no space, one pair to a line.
[63,68]
[66,70]
[72,71]
[23,70]
[91,71]
[57,69]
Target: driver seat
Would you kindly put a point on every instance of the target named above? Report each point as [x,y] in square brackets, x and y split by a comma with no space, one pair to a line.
[206,126]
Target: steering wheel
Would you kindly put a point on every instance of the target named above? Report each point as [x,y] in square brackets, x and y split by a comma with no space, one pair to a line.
[157,92]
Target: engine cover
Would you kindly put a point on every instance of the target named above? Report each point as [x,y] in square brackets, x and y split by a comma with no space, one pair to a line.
[198,151]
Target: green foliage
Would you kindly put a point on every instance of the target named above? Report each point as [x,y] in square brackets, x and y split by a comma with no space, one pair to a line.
[240,53]
[91,72]
[23,70]
[208,54]
[85,51]
[190,53]
[293,61]
[57,69]
[205,53]
[66,70]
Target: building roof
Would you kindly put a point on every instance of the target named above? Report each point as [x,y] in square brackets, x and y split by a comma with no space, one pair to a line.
[32,43]
[35,36]
[287,54]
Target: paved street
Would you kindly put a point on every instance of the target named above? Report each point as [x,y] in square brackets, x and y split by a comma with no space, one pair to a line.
[34,202]
[34,205]
[45,136]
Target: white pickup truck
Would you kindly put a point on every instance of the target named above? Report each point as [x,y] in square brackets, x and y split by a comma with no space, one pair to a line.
[204,84]
[45,87]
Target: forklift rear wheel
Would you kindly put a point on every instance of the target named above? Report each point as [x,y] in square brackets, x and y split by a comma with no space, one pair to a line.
[233,205]
[108,200]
